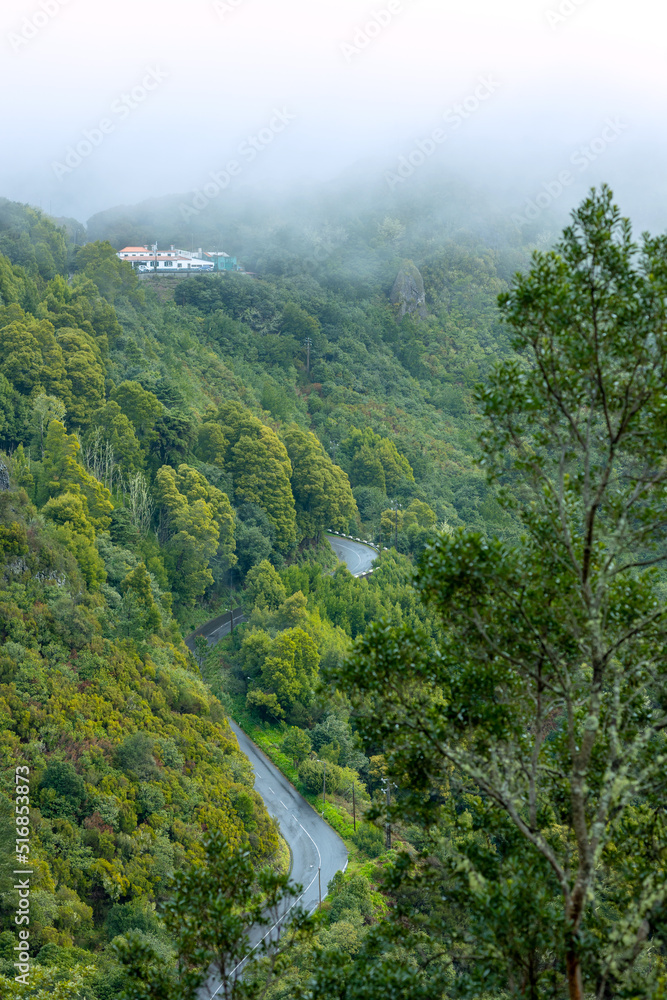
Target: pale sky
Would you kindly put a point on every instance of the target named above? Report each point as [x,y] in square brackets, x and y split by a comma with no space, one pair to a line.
[156,95]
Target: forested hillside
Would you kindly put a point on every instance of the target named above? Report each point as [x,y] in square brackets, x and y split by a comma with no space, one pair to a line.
[172,448]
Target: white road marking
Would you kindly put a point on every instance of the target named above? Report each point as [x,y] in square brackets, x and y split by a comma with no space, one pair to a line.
[282,803]
[284,916]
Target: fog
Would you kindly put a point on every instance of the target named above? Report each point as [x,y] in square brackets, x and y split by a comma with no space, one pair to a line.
[532,101]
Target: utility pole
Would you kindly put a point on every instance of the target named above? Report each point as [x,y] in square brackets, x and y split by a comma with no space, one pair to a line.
[231,600]
[354,810]
[324,787]
[308,343]
[388,824]
[396,505]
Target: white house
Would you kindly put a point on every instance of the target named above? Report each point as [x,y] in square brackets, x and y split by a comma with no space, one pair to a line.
[151,259]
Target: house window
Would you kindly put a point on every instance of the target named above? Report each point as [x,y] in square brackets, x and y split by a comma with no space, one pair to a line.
[168,263]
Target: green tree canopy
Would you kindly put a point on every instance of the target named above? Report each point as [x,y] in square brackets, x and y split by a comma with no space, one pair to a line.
[322,492]
[62,471]
[109,426]
[290,671]
[264,587]
[140,406]
[259,464]
[546,697]
[198,524]
[375,461]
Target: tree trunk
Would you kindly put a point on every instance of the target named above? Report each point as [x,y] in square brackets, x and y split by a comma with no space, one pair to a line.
[574,983]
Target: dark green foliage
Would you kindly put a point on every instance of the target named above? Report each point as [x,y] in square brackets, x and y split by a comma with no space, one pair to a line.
[545,694]
[208,915]
[62,790]
[136,915]
[135,755]
[370,840]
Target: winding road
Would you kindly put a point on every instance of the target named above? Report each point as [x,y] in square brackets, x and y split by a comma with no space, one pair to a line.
[358,556]
[317,852]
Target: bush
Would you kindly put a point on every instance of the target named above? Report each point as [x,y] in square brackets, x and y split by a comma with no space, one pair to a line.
[135,755]
[265,704]
[62,789]
[369,839]
[311,774]
[136,915]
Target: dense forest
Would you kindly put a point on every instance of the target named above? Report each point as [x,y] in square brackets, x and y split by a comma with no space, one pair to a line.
[170,448]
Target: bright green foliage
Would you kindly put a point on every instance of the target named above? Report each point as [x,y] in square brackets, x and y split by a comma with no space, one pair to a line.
[45,409]
[201,649]
[14,413]
[321,489]
[266,705]
[290,671]
[213,445]
[298,322]
[198,524]
[69,509]
[70,512]
[79,305]
[85,373]
[420,513]
[282,671]
[130,756]
[52,983]
[259,465]
[110,427]
[375,461]
[408,528]
[113,277]
[10,283]
[62,472]
[30,355]
[296,744]
[312,775]
[366,469]
[261,470]
[141,407]
[139,607]
[29,238]
[264,587]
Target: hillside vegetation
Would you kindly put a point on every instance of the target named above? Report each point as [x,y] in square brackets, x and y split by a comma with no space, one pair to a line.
[171,454]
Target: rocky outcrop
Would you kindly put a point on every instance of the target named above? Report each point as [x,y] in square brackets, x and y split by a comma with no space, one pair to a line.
[4,477]
[408,292]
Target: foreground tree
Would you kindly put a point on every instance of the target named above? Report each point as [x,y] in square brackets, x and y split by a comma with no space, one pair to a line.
[216,913]
[546,704]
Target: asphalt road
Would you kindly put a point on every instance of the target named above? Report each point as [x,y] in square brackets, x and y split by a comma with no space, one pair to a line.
[214,630]
[317,852]
[358,557]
